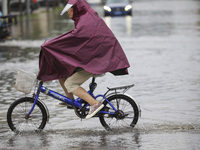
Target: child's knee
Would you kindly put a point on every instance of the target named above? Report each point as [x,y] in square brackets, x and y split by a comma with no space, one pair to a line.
[71,86]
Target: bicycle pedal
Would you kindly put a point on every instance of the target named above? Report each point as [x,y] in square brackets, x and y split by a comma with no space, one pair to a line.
[70,107]
[96,115]
[105,109]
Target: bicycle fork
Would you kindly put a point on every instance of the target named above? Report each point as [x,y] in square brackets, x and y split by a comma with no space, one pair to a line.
[35,100]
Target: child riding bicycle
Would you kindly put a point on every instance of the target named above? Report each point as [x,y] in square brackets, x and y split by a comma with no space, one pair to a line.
[89,49]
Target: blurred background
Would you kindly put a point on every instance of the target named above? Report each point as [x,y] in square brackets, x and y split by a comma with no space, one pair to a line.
[161,40]
[16,14]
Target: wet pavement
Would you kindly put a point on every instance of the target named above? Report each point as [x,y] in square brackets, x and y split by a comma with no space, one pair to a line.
[161,41]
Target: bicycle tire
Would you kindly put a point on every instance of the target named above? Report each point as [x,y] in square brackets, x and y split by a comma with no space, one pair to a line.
[17,116]
[127,112]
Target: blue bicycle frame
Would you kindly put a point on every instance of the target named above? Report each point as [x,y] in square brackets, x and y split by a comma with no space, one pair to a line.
[74,103]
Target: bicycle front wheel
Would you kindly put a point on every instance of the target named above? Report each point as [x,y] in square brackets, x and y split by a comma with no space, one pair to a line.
[126,116]
[17,115]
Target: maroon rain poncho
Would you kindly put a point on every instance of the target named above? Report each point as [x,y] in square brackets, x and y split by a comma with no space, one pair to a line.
[90,45]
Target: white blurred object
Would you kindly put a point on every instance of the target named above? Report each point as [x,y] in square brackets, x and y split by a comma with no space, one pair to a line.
[25,81]
[94,1]
[68,6]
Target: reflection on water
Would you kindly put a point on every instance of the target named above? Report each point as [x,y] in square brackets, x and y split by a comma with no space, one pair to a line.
[15,55]
[90,139]
[85,139]
[42,25]
[127,25]
[161,41]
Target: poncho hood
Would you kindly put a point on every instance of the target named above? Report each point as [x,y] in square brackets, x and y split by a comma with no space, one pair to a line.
[90,45]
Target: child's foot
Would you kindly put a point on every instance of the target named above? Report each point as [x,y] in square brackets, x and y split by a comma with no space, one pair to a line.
[94,109]
[63,104]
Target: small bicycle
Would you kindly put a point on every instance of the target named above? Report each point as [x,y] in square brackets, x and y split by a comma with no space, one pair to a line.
[31,114]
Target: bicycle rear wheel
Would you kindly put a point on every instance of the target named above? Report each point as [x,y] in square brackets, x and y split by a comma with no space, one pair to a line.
[18,119]
[126,116]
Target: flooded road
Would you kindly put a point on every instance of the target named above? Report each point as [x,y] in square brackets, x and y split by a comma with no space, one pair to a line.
[161,41]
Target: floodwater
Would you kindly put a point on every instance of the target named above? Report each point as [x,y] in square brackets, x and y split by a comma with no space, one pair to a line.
[162,43]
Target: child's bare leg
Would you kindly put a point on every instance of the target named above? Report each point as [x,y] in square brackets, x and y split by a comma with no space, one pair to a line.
[80,92]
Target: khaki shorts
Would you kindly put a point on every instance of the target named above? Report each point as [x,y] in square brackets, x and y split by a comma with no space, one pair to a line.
[75,80]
